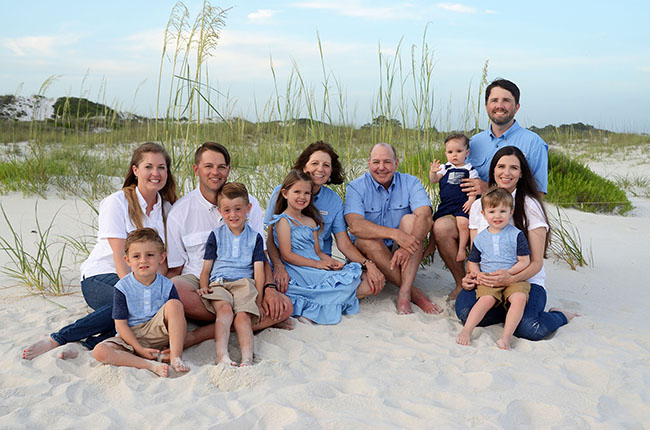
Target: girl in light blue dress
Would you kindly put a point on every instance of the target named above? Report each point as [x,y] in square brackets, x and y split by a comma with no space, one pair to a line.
[321,288]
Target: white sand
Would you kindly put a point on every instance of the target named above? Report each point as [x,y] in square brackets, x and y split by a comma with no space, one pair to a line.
[373,370]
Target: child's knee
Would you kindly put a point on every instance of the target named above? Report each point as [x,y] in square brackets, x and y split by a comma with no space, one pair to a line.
[100,352]
[518,299]
[223,309]
[242,318]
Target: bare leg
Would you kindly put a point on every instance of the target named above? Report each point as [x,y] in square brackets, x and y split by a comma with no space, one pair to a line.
[176,326]
[40,347]
[194,307]
[483,304]
[463,237]
[363,290]
[111,353]
[67,354]
[513,317]
[446,235]
[431,248]
[245,337]
[569,315]
[198,335]
[280,322]
[222,330]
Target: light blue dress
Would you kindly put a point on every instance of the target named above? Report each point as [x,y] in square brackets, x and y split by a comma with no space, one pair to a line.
[320,295]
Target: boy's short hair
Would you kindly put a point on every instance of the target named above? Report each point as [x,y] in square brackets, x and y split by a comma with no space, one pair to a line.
[458,136]
[233,190]
[496,196]
[143,235]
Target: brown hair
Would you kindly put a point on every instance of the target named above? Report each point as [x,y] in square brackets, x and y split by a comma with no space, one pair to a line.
[167,193]
[233,190]
[526,187]
[496,196]
[337,170]
[143,235]
[211,146]
[458,136]
[281,204]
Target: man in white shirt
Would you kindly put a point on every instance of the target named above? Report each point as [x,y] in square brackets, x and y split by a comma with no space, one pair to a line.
[189,223]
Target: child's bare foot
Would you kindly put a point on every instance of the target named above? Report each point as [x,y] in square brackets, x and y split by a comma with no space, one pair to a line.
[225,359]
[288,324]
[67,354]
[160,369]
[179,365]
[461,255]
[40,347]
[464,338]
[569,315]
[503,344]
[247,362]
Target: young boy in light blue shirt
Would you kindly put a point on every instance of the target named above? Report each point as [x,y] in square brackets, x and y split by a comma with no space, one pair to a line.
[147,311]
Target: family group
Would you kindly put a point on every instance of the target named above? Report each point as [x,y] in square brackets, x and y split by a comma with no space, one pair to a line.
[212,256]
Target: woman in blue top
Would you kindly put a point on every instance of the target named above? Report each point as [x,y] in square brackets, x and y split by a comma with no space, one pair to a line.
[322,164]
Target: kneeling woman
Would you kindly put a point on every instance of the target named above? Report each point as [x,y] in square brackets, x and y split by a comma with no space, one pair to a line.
[321,288]
[509,169]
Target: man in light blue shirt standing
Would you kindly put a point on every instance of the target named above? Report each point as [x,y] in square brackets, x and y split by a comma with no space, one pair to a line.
[390,214]
[501,105]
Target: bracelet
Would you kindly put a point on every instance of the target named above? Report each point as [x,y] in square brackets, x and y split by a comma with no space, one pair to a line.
[364,262]
[269,285]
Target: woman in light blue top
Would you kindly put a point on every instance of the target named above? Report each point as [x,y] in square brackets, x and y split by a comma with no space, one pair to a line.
[322,164]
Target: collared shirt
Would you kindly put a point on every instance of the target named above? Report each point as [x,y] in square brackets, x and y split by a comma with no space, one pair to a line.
[330,206]
[536,219]
[485,144]
[189,224]
[382,206]
[495,251]
[114,222]
[234,256]
[138,303]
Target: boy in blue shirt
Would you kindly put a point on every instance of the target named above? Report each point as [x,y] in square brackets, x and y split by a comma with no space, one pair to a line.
[232,277]
[500,246]
[147,312]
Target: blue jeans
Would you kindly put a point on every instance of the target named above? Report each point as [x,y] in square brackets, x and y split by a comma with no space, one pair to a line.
[98,325]
[535,323]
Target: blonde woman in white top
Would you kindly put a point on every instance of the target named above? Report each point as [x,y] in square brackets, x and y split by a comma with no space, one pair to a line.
[146,197]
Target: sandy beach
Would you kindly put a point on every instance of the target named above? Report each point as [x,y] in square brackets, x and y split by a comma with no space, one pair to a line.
[373,370]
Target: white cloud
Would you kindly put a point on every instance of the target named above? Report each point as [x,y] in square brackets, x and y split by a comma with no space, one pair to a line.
[261,15]
[357,9]
[456,7]
[145,41]
[645,69]
[48,46]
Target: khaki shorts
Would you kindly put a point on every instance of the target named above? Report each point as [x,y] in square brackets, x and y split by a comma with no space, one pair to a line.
[241,295]
[502,293]
[150,334]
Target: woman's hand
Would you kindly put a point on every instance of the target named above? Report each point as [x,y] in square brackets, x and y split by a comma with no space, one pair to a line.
[469,281]
[473,187]
[376,279]
[498,278]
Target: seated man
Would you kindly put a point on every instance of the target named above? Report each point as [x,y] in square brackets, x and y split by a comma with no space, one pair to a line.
[189,224]
[390,214]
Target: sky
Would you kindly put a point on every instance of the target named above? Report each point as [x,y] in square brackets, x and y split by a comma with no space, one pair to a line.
[574,61]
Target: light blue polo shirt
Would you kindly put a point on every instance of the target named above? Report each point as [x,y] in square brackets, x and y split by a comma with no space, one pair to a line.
[330,206]
[138,303]
[382,206]
[484,145]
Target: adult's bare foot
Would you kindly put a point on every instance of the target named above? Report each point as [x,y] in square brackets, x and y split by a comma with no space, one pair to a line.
[503,344]
[403,305]
[40,347]
[288,324]
[67,354]
[423,302]
[454,293]
[569,315]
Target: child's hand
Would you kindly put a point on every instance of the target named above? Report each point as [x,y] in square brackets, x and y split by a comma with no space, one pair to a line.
[433,170]
[149,353]
[467,206]
[202,291]
[260,307]
[332,263]
[322,264]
